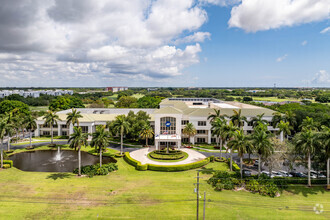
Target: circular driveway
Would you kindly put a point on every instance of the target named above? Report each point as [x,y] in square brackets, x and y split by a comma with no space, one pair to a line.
[141,155]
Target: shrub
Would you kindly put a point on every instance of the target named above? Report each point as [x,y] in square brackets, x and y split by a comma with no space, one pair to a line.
[235,166]
[177,155]
[222,159]
[92,170]
[10,162]
[6,166]
[211,158]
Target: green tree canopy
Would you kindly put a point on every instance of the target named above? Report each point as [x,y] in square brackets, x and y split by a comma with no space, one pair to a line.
[65,102]
[16,107]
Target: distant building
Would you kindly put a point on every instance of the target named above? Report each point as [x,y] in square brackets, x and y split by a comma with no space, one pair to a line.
[255,91]
[116,89]
[34,93]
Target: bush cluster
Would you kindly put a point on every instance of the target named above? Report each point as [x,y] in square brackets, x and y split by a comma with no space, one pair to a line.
[9,162]
[223,180]
[173,155]
[96,170]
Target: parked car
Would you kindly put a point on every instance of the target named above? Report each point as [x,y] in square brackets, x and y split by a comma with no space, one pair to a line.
[317,174]
[246,172]
[256,163]
[297,174]
[302,175]
[267,173]
[284,173]
[277,174]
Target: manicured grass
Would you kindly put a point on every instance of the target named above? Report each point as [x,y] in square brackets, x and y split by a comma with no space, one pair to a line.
[169,161]
[132,194]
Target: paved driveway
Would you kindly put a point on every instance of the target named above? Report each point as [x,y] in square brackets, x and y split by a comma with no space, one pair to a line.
[141,155]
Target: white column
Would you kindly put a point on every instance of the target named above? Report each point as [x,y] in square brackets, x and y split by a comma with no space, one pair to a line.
[37,131]
[281,136]
[156,144]
[70,129]
[179,144]
[209,135]
[192,140]
[59,131]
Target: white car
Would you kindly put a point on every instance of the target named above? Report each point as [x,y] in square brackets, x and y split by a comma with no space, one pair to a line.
[284,173]
[277,174]
[317,174]
[267,173]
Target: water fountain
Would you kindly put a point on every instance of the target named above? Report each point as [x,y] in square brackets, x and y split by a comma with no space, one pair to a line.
[58,155]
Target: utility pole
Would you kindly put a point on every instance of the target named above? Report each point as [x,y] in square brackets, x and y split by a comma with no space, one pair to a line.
[204,205]
[197,193]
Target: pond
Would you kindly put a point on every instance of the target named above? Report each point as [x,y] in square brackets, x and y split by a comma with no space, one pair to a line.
[50,161]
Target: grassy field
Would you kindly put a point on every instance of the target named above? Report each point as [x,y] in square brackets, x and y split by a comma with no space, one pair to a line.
[138,95]
[131,194]
[38,108]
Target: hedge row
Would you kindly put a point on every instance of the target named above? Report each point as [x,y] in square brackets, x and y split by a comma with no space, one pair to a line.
[167,168]
[10,162]
[235,166]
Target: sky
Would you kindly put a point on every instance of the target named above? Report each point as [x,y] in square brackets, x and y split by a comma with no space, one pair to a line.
[167,43]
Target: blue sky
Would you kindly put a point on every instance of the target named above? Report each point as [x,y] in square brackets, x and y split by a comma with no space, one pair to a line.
[233,57]
[204,43]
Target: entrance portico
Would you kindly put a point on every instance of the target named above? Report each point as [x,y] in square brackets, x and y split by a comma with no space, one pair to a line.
[170,138]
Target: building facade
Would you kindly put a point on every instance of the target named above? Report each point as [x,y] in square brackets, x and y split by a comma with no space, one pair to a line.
[168,121]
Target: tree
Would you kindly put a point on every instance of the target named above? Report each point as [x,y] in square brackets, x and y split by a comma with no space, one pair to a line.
[258,119]
[215,115]
[189,130]
[262,144]
[146,133]
[240,143]
[277,117]
[309,124]
[217,129]
[285,128]
[149,102]
[17,122]
[238,119]
[127,102]
[31,125]
[274,160]
[19,107]
[306,143]
[121,126]
[291,118]
[324,137]
[76,141]
[65,102]
[73,117]
[228,133]
[3,132]
[100,140]
[10,129]
[51,119]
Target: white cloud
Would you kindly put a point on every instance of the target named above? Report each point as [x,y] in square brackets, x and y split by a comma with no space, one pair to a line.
[321,77]
[259,15]
[196,37]
[325,30]
[220,2]
[280,59]
[304,43]
[94,42]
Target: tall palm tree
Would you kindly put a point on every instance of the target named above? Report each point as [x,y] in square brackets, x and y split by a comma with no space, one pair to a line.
[262,144]
[217,129]
[229,131]
[17,120]
[306,143]
[10,129]
[284,129]
[324,137]
[146,133]
[73,117]
[100,140]
[51,119]
[189,130]
[216,114]
[277,117]
[240,143]
[309,124]
[238,119]
[76,141]
[291,118]
[31,125]
[121,126]
[258,119]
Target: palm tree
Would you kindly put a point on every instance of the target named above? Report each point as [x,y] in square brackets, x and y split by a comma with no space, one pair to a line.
[31,125]
[100,140]
[277,117]
[146,133]
[258,119]
[189,130]
[284,127]
[121,126]
[77,140]
[17,120]
[51,119]
[217,129]
[306,143]
[216,114]
[240,143]
[228,133]
[291,118]
[238,119]
[262,144]
[73,117]
[309,124]
[10,129]
[324,137]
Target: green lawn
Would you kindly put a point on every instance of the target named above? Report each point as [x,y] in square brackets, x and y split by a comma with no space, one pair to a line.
[138,95]
[131,194]
[38,108]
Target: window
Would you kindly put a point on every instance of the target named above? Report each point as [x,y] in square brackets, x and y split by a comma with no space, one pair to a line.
[169,130]
[213,140]
[200,140]
[64,133]
[84,129]
[45,133]
[185,140]
[64,126]
[184,122]
[201,123]
[201,131]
